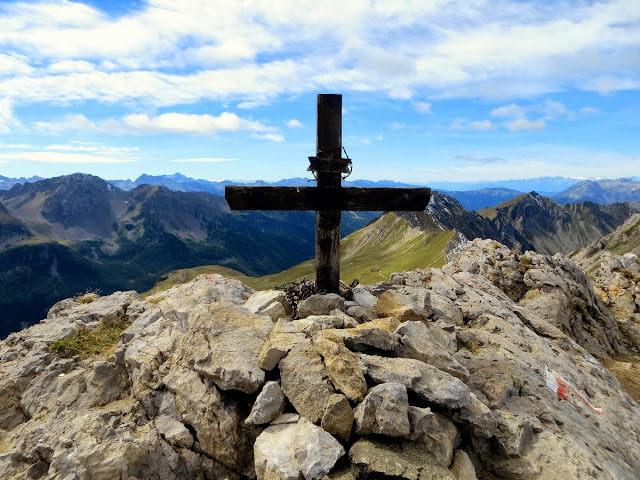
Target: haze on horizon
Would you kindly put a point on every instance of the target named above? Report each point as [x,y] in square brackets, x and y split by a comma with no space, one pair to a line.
[432,91]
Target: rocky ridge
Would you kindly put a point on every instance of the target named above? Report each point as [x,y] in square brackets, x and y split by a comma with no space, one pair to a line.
[614,268]
[487,368]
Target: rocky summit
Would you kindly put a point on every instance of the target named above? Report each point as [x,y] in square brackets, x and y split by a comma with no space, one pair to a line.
[488,368]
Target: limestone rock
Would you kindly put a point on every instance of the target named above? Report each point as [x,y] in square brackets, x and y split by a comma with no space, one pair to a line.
[268,406]
[364,298]
[375,459]
[424,380]
[376,335]
[281,340]
[394,303]
[344,369]
[312,324]
[269,302]
[384,411]
[304,381]
[320,305]
[535,405]
[295,450]
[338,417]
[362,314]
[216,417]
[415,341]
[462,467]
[173,431]
[439,434]
[225,346]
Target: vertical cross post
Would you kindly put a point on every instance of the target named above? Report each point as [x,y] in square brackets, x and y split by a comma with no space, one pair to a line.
[328,152]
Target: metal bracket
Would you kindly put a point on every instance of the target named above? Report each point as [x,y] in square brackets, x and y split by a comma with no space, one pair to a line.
[340,165]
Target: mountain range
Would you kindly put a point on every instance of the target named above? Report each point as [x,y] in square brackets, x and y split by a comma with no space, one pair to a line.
[62,236]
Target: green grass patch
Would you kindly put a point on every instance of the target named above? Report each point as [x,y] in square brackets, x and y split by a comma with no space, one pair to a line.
[90,342]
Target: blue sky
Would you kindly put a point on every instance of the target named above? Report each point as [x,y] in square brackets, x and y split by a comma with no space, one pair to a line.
[432,90]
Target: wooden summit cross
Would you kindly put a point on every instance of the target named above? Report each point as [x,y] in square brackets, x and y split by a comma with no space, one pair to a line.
[328,198]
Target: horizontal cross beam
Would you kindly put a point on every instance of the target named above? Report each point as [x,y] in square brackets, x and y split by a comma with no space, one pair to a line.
[327,199]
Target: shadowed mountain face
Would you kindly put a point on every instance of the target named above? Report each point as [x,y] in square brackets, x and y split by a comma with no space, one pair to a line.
[445,213]
[528,222]
[12,230]
[52,229]
[537,223]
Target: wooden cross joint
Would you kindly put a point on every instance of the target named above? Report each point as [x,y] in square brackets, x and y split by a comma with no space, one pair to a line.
[328,198]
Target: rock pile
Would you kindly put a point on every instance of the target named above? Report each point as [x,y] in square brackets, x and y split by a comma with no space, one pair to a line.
[484,369]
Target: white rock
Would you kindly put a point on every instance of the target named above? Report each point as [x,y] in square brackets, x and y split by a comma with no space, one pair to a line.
[294,451]
[268,406]
[384,411]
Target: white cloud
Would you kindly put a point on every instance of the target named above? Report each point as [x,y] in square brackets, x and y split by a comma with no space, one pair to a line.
[193,124]
[398,125]
[481,125]
[274,137]
[293,123]
[401,93]
[19,146]
[477,125]
[403,49]
[422,107]
[550,110]
[524,124]
[70,122]
[608,84]
[71,66]
[479,157]
[56,157]
[14,65]
[203,160]
[553,109]
[94,148]
[589,110]
[512,110]
[8,121]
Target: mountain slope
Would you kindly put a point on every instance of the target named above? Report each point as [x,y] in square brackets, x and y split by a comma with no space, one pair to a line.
[12,230]
[534,222]
[444,213]
[625,239]
[128,239]
[370,255]
[601,191]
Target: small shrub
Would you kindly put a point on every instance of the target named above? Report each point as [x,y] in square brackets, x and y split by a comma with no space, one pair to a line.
[525,264]
[296,291]
[88,296]
[471,346]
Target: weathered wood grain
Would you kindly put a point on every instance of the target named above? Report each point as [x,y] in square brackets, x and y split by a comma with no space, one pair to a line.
[313,198]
